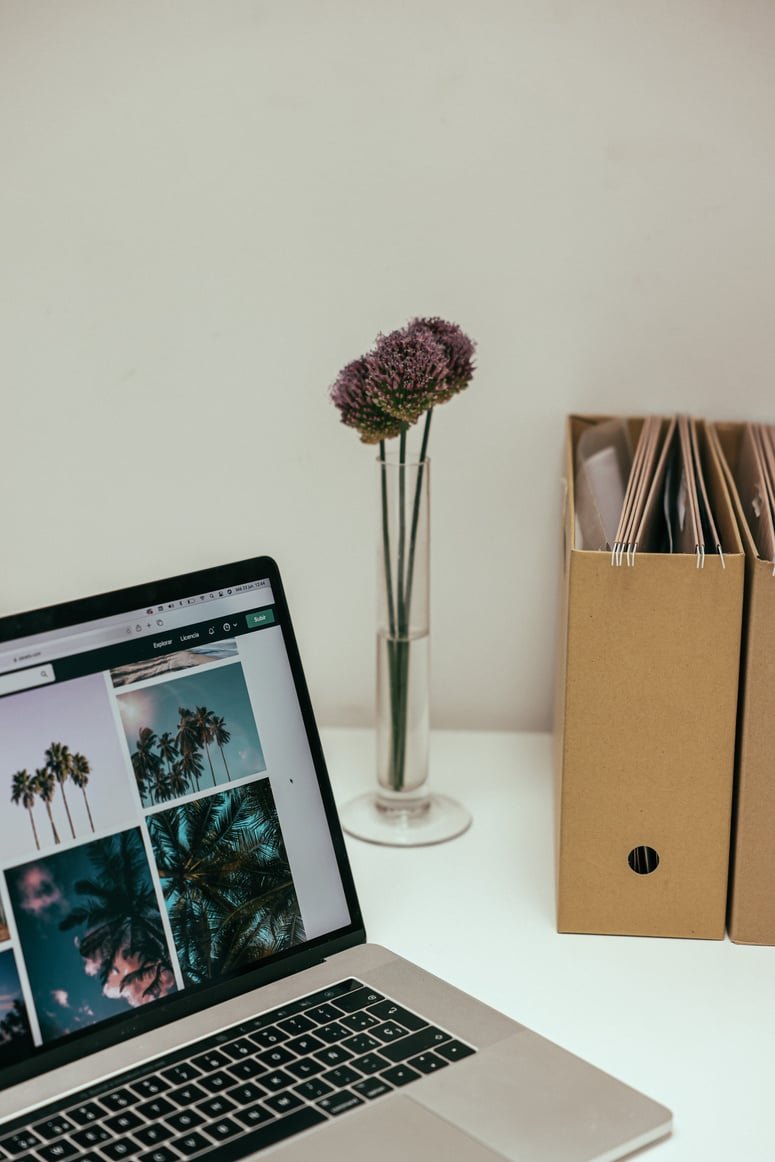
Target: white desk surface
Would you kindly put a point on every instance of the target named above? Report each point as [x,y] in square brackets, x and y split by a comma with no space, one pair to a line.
[689,1022]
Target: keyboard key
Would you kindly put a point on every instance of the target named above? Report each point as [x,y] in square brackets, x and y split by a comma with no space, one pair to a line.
[401,1075]
[215,1082]
[371,1087]
[57,1151]
[295,1025]
[246,1094]
[277,1079]
[361,1043]
[266,1038]
[305,1067]
[281,1103]
[153,1134]
[323,1014]
[185,1071]
[275,1057]
[389,1011]
[314,1088]
[333,1032]
[191,1144]
[247,1068]
[242,1047]
[124,1122]
[118,1099]
[160,1154]
[340,1103]
[427,1062]
[370,1063]
[157,1107]
[87,1112]
[358,999]
[91,1136]
[390,1031]
[53,1127]
[121,1148]
[415,1043]
[187,1095]
[254,1115]
[150,1086]
[305,1044]
[216,1107]
[455,1050]
[357,1022]
[333,1055]
[225,1128]
[185,1120]
[211,1060]
[341,1076]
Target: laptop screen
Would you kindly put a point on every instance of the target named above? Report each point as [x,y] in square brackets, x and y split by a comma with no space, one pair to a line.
[167,832]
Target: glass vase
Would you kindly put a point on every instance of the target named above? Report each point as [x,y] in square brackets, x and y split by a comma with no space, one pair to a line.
[402,810]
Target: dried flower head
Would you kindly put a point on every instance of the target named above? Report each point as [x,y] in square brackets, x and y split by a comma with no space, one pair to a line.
[406,373]
[349,393]
[458,349]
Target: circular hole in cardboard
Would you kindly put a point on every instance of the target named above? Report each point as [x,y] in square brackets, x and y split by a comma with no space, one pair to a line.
[643,860]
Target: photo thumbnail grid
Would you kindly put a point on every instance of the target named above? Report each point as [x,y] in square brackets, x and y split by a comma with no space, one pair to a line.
[105,917]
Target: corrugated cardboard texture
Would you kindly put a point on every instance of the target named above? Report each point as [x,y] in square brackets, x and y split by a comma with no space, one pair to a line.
[751,916]
[648,663]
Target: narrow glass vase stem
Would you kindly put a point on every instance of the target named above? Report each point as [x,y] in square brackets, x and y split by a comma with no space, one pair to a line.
[399,599]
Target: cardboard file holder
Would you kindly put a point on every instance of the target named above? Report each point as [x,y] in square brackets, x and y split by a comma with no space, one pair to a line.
[751,912]
[646,701]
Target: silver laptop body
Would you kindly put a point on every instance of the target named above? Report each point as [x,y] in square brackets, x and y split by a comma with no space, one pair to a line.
[169,726]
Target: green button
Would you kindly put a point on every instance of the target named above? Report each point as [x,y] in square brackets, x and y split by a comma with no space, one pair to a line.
[263,617]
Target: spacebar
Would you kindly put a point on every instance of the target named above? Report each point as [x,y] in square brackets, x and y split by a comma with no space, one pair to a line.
[267,1135]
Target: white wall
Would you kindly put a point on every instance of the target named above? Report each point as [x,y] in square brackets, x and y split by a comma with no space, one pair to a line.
[208,206]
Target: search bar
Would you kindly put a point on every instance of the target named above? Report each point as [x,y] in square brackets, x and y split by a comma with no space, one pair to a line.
[26,679]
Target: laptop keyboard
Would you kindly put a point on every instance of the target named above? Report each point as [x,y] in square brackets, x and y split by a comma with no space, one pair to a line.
[244,1088]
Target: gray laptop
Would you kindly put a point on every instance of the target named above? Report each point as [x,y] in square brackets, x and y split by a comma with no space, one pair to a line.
[184,971]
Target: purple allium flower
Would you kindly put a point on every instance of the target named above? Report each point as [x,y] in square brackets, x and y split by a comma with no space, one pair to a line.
[458,348]
[405,373]
[349,393]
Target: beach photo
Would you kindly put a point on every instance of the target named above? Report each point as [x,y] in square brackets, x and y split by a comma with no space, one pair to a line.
[15,1035]
[63,769]
[191,733]
[90,932]
[169,663]
[226,881]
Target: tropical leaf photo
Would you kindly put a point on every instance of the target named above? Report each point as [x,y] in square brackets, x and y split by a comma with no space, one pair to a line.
[226,879]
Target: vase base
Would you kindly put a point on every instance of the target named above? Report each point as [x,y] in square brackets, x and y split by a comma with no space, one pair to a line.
[435,820]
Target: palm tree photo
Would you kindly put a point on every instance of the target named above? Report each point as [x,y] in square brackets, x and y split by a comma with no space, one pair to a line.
[61,765]
[123,940]
[226,881]
[190,734]
[171,765]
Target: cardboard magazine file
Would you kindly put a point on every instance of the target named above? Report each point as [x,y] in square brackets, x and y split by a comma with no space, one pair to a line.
[647,677]
[751,911]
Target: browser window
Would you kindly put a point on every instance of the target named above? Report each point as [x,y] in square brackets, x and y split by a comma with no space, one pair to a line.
[165,828]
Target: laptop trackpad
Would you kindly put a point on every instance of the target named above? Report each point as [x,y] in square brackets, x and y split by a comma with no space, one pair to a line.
[527,1097]
[391,1129]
